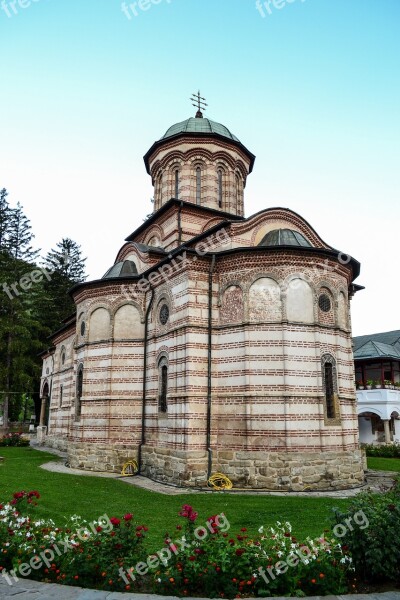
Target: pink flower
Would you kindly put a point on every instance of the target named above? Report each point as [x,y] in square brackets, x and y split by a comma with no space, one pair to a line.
[188,512]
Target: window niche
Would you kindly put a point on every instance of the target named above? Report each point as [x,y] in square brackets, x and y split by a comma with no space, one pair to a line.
[79,392]
[330,389]
[162,385]
[220,175]
[198,185]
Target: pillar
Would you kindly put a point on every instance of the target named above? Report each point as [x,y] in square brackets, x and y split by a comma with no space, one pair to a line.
[43,411]
[387,430]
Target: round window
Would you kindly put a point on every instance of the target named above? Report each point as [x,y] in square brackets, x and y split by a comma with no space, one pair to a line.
[164,314]
[83,328]
[324,303]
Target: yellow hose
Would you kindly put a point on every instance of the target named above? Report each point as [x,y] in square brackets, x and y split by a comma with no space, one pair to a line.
[219,481]
[130,468]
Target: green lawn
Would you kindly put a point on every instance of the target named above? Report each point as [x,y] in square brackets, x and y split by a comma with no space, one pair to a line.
[383,464]
[65,495]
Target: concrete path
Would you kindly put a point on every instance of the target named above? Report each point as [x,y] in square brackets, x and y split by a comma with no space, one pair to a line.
[26,589]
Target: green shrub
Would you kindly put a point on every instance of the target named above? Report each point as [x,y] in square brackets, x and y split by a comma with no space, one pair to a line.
[384,451]
[14,439]
[375,549]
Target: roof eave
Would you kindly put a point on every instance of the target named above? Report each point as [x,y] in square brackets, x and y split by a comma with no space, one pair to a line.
[186,134]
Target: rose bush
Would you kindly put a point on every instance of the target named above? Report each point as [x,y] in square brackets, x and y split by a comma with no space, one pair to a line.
[217,563]
[14,439]
[205,559]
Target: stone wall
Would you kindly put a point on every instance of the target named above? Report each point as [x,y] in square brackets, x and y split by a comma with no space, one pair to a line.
[187,468]
[56,441]
[100,457]
[274,471]
[291,471]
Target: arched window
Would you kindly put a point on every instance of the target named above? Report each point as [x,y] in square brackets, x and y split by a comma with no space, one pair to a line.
[163,385]
[198,185]
[220,186]
[237,186]
[177,183]
[79,391]
[329,379]
[159,188]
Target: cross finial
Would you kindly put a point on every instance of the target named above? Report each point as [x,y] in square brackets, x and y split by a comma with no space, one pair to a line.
[200,103]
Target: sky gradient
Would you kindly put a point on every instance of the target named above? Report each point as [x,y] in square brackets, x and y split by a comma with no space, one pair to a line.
[312,89]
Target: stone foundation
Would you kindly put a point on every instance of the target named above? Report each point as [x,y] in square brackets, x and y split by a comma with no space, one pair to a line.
[292,471]
[100,457]
[187,468]
[56,442]
[274,471]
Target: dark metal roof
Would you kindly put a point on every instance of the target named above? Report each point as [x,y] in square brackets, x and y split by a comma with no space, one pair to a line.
[377,345]
[284,237]
[124,268]
[146,248]
[198,127]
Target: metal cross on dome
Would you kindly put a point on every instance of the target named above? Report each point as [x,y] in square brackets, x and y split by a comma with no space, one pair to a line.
[200,103]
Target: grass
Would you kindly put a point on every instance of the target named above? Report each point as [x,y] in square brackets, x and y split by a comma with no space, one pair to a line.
[63,495]
[383,464]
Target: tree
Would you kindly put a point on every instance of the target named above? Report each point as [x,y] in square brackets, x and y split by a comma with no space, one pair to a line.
[66,267]
[67,261]
[18,327]
[5,216]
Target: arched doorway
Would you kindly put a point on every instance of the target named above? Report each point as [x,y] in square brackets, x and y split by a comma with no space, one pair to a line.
[45,406]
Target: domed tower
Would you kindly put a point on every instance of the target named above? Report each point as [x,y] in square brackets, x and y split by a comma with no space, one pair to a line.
[201,162]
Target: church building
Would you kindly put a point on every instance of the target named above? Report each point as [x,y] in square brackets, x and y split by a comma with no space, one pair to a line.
[216,342]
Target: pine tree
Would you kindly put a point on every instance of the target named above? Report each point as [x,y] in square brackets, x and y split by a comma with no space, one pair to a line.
[67,267]
[18,340]
[67,261]
[5,216]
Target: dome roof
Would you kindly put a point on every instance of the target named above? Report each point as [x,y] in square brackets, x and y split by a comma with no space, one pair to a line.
[199,125]
[284,237]
[124,268]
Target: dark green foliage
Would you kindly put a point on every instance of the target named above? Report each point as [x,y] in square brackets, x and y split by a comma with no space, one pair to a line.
[67,267]
[14,439]
[376,548]
[384,451]
[31,307]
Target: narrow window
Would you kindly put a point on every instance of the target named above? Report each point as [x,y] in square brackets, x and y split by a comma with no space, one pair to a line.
[79,391]
[220,176]
[176,183]
[162,402]
[237,188]
[159,189]
[61,395]
[329,392]
[198,185]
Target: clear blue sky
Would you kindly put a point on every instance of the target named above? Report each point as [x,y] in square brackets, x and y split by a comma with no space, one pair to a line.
[312,89]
